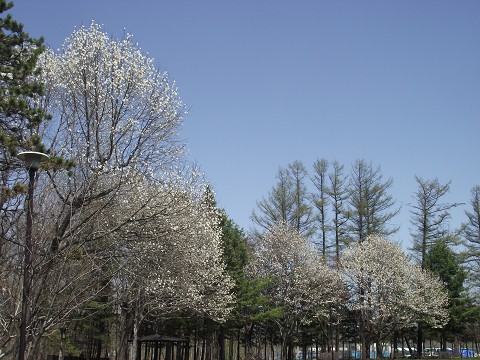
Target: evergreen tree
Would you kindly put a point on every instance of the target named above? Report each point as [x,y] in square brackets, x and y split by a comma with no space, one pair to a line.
[446,264]
[235,249]
[19,117]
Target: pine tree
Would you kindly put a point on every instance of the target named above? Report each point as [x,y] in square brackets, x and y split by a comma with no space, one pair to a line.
[446,264]
[19,117]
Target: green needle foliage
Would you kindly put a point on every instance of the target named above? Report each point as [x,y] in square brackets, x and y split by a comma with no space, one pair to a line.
[445,263]
[19,117]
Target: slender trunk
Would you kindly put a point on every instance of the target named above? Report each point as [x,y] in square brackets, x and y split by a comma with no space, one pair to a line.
[304,346]
[456,346]
[284,348]
[98,355]
[195,344]
[221,343]
[395,343]
[337,337]
[408,346]
[136,352]
[238,345]
[419,339]
[123,327]
[230,349]
[365,352]
[379,350]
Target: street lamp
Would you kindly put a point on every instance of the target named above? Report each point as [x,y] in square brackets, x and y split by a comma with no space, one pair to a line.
[32,160]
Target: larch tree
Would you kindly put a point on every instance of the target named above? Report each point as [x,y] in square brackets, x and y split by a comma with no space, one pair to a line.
[371,207]
[302,219]
[300,287]
[278,206]
[429,219]
[387,292]
[337,191]
[320,199]
[471,234]
[287,202]
[429,216]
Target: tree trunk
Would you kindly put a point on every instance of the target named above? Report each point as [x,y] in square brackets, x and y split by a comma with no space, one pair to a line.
[365,345]
[419,340]
[379,349]
[238,345]
[230,349]
[221,343]
[123,327]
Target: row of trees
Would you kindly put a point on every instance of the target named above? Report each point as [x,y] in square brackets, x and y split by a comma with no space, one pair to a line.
[345,208]
[123,227]
[128,240]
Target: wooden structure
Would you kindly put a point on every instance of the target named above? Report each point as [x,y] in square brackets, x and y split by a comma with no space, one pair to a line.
[158,347]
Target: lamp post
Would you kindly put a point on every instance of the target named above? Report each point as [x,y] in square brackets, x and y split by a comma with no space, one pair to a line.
[32,162]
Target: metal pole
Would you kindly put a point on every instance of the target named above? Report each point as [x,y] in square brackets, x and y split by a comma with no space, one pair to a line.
[27,266]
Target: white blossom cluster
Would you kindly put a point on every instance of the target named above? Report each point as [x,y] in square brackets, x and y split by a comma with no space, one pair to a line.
[374,280]
[300,284]
[387,291]
[128,222]
[176,255]
[112,107]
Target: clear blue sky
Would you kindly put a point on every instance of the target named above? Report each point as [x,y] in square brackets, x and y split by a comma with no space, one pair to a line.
[268,82]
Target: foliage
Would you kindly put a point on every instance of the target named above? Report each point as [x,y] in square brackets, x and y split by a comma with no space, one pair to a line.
[446,264]
[19,117]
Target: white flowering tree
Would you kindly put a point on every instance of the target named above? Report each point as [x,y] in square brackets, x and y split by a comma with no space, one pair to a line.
[125,204]
[173,262]
[301,288]
[387,292]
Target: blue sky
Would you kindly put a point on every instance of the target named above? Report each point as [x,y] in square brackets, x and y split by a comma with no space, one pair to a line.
[267,82]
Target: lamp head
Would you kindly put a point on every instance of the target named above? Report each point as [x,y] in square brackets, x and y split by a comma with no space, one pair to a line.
[32,159]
